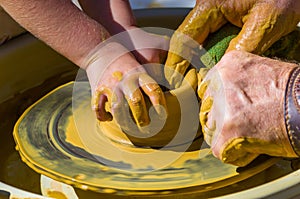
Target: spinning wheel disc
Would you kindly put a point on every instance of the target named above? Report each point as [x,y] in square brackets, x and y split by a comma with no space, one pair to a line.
[61,139]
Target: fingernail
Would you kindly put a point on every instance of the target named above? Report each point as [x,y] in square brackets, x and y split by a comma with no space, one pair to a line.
[176,81]
[161,111]
[145,130]
[142,123]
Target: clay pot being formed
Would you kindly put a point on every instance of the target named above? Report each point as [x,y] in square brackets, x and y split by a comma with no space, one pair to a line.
[181,126]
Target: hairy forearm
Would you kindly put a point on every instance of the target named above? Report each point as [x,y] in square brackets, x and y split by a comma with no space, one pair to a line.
[58,23]
[115,15]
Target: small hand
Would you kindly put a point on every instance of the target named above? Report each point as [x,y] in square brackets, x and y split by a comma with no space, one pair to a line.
[242,113]
[124,80]
[263,22]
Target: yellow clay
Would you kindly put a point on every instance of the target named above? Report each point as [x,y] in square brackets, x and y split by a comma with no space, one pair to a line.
[118,75]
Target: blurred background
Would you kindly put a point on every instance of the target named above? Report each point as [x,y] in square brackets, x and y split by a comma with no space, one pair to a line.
[140,4]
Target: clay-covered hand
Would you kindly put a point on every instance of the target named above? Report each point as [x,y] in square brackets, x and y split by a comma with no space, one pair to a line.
[263,22]
[242,111]
[117,77]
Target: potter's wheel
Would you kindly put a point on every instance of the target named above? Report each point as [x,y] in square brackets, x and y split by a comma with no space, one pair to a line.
[50,140]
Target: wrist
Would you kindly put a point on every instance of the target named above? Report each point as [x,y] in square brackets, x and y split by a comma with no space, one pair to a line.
[292,110]
[105,52]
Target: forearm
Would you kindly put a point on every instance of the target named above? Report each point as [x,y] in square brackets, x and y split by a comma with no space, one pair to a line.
[58,23]
[115,15]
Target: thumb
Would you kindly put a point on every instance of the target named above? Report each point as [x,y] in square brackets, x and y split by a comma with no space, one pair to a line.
[192,32]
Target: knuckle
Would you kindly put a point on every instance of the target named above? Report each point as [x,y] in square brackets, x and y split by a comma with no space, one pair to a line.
[157,96]
[156,91]
[136,100]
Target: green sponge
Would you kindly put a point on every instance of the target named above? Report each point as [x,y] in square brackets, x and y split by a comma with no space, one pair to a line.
[217,43]
[288,47]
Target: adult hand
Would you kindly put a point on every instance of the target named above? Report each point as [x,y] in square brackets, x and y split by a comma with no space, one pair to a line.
[116,76]
[263,22]
[242,112]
